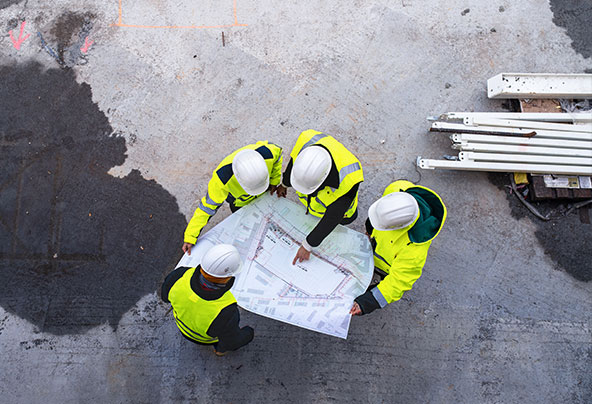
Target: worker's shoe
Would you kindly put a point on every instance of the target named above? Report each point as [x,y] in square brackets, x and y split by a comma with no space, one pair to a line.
[219,353]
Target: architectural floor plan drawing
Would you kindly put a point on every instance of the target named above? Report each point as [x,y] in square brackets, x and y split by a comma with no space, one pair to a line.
[315,294]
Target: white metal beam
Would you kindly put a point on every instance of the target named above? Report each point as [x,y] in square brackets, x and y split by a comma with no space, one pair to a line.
[570,144]
[524,158]
[461,127]
[517,149]
[536,85]
[564,127]
[448,127]
[504,167]
[523,116]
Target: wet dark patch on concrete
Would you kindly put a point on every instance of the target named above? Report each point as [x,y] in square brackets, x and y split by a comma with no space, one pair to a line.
[567,240]
[8,3]
[69,24]
[78,247]
[67,35]
[13,23]
[576,17]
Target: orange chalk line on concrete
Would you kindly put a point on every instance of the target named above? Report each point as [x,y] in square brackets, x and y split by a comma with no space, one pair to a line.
[234,11]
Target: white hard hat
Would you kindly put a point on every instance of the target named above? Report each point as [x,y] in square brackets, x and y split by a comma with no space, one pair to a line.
[393,211]
[310,169]
[251,172]
[221,261]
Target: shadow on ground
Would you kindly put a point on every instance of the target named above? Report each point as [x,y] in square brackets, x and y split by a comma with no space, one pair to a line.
[78,247]
[566,240]
[576,17]
[8,3]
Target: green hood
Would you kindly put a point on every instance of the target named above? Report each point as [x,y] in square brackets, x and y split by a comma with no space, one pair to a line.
[431,215]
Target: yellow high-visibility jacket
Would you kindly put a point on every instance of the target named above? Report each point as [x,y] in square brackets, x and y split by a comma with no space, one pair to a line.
[193,314]
[348,166]
[225,187]
[402,253]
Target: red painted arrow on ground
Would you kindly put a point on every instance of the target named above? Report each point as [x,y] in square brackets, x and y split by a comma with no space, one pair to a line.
[87,44]
[17,42]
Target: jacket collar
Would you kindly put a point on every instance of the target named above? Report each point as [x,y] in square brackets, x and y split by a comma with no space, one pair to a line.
[208,290]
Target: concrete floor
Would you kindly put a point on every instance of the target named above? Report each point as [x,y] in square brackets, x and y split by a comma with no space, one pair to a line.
[106,151]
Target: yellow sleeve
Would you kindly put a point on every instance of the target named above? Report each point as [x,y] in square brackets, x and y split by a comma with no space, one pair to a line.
[275,176]
[208,206]
[405,270]
[397,186]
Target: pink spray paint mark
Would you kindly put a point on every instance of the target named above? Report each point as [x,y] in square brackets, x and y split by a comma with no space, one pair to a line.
[18,42]
[87,44]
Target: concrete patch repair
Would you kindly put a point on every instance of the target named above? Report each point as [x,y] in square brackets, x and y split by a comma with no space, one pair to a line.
[114,114]
[78,247]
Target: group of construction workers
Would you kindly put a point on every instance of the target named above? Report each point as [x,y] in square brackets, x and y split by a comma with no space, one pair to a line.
[326,177]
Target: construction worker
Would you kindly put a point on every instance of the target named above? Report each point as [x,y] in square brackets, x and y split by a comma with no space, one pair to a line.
[204,308]
[326,177]
[401,226]
[239,179]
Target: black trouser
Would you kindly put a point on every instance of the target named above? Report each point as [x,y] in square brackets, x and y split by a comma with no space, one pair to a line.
[197,342]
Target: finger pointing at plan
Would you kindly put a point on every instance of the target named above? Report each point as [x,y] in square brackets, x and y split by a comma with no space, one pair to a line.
[302,255]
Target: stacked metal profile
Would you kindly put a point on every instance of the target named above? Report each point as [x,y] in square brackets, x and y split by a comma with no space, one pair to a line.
[536,143]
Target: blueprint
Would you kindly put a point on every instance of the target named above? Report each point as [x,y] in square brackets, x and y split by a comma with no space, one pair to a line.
[316,294]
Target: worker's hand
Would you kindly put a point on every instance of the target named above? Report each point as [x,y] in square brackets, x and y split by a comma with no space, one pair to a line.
[356,310]
[187,248]
[302,255]
[369,236]
[279,189]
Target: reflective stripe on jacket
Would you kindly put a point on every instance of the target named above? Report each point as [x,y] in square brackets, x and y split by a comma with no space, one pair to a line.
[348,166]
[223,186]
[193,314]
[397,255]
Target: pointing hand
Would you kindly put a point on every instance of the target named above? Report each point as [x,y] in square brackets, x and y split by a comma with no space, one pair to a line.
[302,255]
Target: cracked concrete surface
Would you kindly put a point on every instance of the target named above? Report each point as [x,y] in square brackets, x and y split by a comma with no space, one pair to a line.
[494,319]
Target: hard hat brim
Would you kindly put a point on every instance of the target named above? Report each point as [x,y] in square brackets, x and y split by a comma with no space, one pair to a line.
[220,252]
[303,161]
[253,191]
[375,220]
[256,191]
[238,271]
[373,216]
[301,188]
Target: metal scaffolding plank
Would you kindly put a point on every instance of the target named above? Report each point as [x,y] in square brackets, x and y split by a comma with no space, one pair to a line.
[507,123]
[570,144]
[428,164]
[524,158]
[522,116]
[537,85]
[448,127]
[517,149]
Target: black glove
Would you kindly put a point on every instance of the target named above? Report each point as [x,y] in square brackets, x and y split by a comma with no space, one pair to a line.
[367,302]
